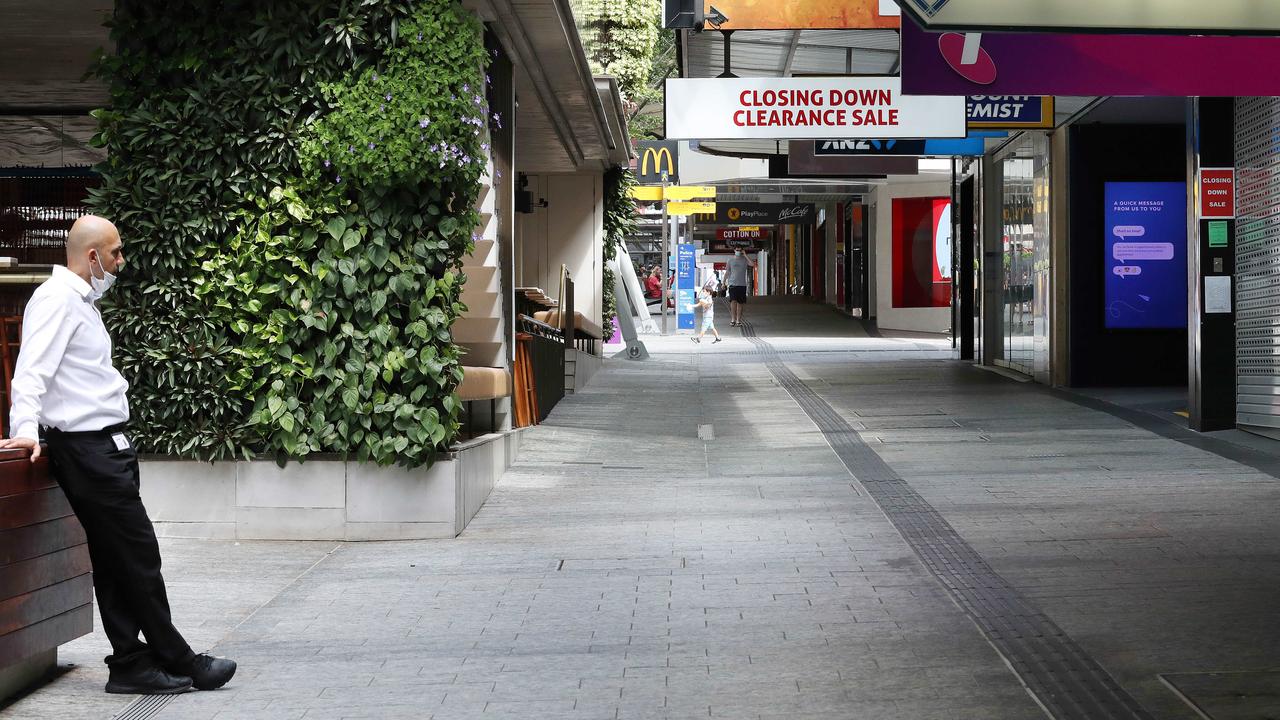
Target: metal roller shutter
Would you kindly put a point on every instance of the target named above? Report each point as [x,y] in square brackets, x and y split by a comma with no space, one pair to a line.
[1258,263]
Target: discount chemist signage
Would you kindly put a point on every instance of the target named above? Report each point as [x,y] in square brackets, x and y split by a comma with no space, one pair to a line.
[803,108]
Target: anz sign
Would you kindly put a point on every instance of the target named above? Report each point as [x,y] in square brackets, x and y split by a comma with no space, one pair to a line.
[869,147]
[971,146]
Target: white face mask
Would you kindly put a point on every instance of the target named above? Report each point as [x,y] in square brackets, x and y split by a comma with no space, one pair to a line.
[738,253]
[102,284]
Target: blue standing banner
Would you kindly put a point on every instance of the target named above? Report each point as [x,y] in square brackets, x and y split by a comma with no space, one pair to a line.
[685,295]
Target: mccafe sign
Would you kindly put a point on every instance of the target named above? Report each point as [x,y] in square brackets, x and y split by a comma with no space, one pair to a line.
[762,214]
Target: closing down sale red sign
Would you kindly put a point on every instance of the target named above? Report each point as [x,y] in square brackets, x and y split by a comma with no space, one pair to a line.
[802,108]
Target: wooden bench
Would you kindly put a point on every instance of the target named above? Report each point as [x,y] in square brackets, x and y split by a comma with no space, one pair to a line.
[46,589]
[582,328]
[483,383]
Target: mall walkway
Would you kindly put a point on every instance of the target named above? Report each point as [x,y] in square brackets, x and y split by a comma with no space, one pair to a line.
[685,539]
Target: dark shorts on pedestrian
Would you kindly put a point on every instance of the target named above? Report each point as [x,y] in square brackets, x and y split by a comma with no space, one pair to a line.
[738,293]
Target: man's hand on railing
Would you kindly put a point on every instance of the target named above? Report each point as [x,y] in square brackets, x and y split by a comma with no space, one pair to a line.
[20,444]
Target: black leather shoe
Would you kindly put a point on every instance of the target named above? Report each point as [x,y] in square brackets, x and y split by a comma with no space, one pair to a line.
[208,672]
[147,680]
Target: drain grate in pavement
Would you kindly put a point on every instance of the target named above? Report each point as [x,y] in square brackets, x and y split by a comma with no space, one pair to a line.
[147,706]
[1069,683]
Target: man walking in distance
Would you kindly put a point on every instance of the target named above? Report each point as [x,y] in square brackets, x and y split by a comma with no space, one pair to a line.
[64,384]
[739,266]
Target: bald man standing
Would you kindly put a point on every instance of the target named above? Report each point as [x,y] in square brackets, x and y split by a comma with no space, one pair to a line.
[65,387]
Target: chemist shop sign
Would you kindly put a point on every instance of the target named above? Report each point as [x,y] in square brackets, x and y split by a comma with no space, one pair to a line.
[806,108]
[1007,112]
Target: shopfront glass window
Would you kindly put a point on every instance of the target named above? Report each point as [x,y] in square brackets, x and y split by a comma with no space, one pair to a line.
[1019,243]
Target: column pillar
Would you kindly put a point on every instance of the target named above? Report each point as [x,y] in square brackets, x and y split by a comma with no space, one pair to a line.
[1211,333]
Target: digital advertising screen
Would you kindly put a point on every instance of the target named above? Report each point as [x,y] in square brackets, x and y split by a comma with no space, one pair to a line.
[1146,261]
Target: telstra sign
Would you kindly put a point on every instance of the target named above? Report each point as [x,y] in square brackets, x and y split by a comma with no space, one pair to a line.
[1184,17]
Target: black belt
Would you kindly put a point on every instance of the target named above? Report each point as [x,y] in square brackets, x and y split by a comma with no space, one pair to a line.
[108,430]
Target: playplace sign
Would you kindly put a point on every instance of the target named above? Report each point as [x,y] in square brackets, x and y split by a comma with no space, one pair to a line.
[806,108]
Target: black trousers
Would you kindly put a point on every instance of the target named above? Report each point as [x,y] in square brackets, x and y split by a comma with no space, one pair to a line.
[101,482]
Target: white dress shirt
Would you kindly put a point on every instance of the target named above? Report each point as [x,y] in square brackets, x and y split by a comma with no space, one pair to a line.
[64,378]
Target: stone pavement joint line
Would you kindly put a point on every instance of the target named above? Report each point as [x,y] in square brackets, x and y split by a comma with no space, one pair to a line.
[1062,676]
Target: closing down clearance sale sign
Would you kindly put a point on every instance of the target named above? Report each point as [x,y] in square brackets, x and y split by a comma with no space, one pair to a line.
[803,108]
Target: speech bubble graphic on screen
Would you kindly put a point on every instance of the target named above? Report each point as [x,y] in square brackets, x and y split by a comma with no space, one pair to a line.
[1125,252]
[1128,231]
[1124,271]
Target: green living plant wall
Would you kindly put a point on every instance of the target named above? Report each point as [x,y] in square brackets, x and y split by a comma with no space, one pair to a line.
[294,181]
[619,221]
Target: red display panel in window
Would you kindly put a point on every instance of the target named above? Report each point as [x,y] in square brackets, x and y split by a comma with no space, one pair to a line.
[921,252]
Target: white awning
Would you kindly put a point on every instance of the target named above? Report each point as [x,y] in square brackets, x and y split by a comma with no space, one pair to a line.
[562,124]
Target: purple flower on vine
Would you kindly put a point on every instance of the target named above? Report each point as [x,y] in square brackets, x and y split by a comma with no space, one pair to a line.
[423,123]
[351,148]
[326,164]
[484,147]
[419,37]
[382,107]
[375,77]
[466,87]
[372,146]
[338,179]
[497,121]
[388,97]
[488,80]
[479,100]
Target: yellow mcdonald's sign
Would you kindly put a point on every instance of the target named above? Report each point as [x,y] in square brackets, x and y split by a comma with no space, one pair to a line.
[647,193]
[658,161]
[689,192]
[690,208]
[672,192]
[657,154]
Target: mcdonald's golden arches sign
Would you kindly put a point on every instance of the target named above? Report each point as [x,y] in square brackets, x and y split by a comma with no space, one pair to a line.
[656,158]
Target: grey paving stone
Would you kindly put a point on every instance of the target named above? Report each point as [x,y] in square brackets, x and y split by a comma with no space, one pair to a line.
[748,577]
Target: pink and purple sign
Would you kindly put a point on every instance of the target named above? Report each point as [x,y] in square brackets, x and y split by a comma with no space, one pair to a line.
[1071,64]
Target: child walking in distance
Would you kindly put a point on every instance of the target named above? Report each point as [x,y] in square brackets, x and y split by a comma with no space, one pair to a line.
[706,302]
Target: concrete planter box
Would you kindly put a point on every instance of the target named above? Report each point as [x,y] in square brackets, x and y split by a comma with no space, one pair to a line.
[325,499]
